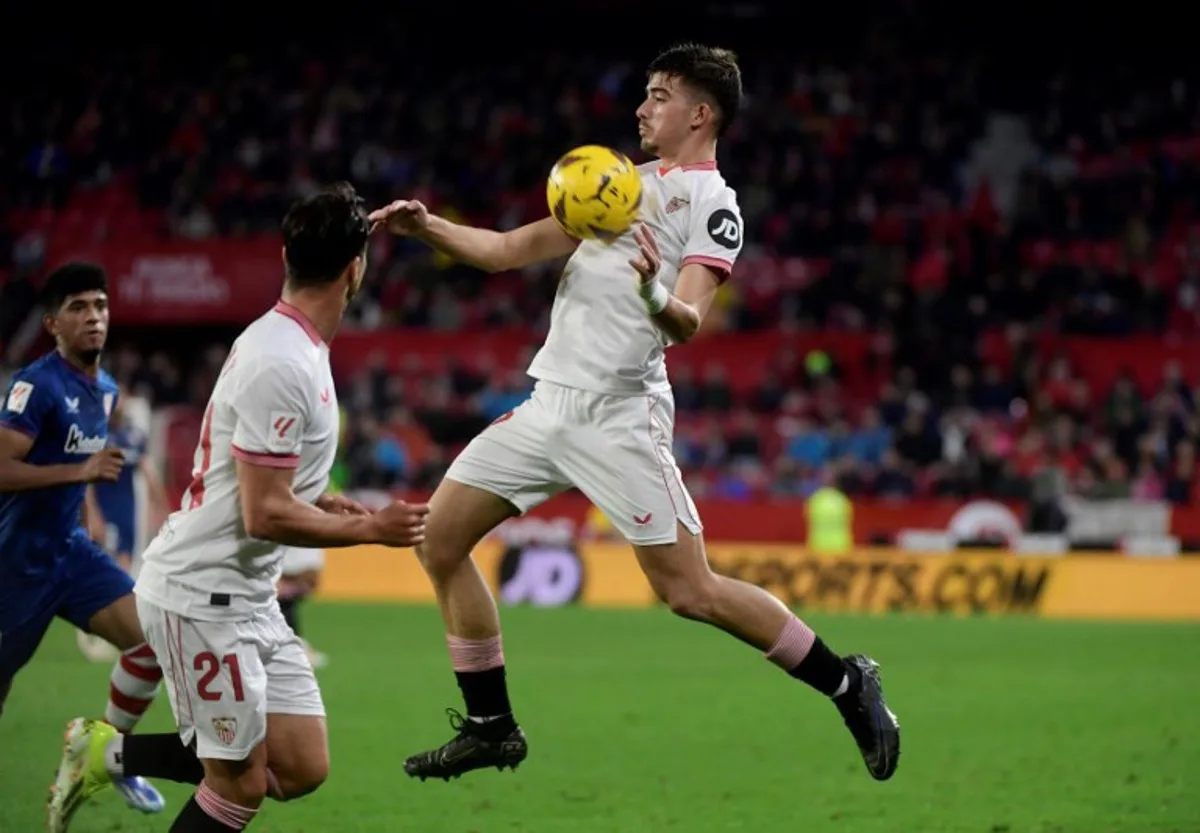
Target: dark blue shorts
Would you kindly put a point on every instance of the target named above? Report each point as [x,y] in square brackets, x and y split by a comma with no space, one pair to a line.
[87,582]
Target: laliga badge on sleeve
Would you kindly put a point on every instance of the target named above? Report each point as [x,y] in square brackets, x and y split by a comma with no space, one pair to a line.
[283,432]
[18,397]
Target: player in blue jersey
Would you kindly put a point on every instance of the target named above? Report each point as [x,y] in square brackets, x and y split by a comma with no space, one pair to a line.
[53,438]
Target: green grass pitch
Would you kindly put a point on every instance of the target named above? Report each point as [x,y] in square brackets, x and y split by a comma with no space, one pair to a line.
[639,722]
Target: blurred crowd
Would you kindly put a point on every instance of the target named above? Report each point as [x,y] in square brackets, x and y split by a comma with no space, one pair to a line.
[1036,434]
[883,193]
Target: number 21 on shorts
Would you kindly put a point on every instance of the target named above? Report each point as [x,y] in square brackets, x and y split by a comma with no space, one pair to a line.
[208,666]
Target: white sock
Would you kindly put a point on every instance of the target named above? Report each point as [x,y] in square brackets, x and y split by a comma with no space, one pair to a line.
[114,760]
[486,719]
[844,687]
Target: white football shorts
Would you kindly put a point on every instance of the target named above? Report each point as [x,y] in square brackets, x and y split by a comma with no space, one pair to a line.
[224,678]
[617,450]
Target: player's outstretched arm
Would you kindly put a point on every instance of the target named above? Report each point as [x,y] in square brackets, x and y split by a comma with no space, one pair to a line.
[271,511]
[16,475]
[491,251]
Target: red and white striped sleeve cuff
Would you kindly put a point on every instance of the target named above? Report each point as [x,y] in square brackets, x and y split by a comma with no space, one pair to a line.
[263,458]
[723,268]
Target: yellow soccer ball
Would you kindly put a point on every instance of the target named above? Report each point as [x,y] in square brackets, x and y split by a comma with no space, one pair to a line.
[594,192]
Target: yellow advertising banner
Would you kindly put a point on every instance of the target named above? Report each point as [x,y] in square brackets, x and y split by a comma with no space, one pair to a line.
[867,581]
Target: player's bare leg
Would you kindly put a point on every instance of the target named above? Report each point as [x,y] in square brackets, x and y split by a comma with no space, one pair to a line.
[118,624]
[682,578]
[297,755]
[92,645]
[459,518]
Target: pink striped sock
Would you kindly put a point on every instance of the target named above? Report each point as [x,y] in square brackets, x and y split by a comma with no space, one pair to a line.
[222,810]
[475,654]
[793,644]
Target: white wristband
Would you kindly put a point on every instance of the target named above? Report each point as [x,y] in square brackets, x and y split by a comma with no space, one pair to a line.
[655,296]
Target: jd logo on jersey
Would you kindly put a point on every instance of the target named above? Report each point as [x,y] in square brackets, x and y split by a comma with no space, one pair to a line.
[724,228]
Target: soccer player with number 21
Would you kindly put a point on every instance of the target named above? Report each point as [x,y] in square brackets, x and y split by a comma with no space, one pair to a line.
[250,718]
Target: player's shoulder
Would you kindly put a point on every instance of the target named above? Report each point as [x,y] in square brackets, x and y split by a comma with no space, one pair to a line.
[41,380]
[272,361]
[700,185]
[276,339]
[284,330]
[43,366]
[709,189]
[272,352]
[106,382]
[47,370]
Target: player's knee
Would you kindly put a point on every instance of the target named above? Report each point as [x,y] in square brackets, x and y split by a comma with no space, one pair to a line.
[690,599]
[441,553]
[244,783]
[460,516]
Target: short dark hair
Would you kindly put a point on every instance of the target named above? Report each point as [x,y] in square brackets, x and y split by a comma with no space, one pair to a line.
[322,233]
[71,279]
[711,70]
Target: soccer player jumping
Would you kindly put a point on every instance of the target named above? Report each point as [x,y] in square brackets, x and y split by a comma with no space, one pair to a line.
[249,712]
[601,419]
[53,432]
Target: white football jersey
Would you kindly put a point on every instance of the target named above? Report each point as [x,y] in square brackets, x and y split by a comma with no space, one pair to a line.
[274,405]
[601,339]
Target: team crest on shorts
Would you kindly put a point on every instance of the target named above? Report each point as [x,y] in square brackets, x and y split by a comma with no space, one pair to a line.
[226,729]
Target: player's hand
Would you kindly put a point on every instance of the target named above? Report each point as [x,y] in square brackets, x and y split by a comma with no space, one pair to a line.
[403,218]
[104,465]
[649,259]
[401,524]
[341,505]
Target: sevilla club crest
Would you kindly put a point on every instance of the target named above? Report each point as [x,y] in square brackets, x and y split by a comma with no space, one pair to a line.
[226,729]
